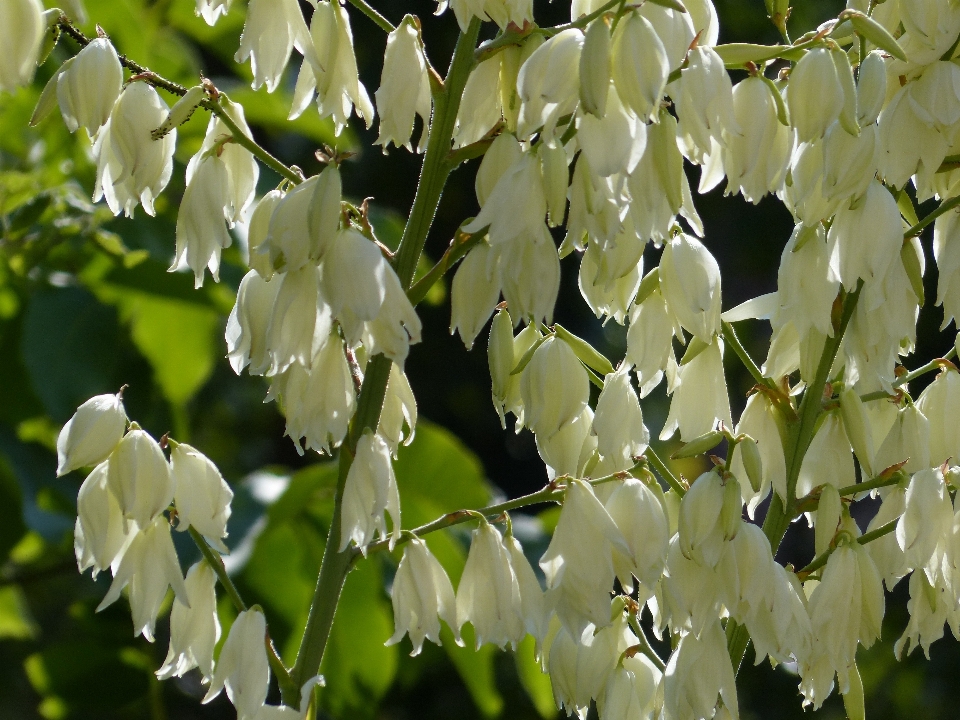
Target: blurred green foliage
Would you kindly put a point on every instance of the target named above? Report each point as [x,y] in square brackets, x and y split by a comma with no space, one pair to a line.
[87,305]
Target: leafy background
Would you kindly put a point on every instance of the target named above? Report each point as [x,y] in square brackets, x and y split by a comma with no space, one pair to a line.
[86,305]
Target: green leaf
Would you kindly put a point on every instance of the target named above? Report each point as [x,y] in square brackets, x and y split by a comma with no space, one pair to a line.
[534,680]
[358,667]
[15,619]
[282,574]
[69,348]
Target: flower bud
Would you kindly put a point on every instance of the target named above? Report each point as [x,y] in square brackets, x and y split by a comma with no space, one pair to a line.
[640,65]
[752,462]
[474,293]
[828,518]
[22,29]
[814,94]
[202,496]
[194,630]
[88,89]
[132,167]
[180,112]
[595,67]
[243,667]
[149,566]
[91,434]
[732,511]
[404,87]
[554,387]
[269,34]
[501,359]
[422,596]
[857,426]
[690,283]
[489,595]
[139,477]
[100,537]
[871,88]
[848,115]
[369,493]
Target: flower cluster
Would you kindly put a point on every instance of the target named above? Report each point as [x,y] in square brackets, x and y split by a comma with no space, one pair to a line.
[587,133]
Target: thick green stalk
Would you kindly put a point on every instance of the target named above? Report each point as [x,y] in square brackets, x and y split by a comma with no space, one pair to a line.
[335,564]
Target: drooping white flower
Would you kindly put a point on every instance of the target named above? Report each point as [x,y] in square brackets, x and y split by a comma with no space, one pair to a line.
[370,492]
[194,630]
[618,422]
[488,596]
[946,250]
[673,27]
[567,451]
[248,322]
[699,675]
[607,298]
[781,630]
[548,83]
[613,143]
[398,420]
[299,321]
[807,283]
[305,222]
[760,421]
[700,399]
[631,690]
[578,564]
[100,534]
[929,607]
[330,70]
[658,185]
[704,99]
[516,205]
[554,387]
[202,496]
[201,227]
[885,551]
[908,145]
[132,167]
[814,94]
[871,88]
[638,512]
[243,668]
[22,27]
[828,459]
[940,404]
[856,423]
[704,511]
[480,105]
[907,440]
[690,283]
[925,525]
[849,162]
[649,341]
[258,229]
[149,566]
[532,610]
[211,10]
[270,32]
[88,89]
[317,402]
[640,65]
[690,594]
[404,88]
[503,354]
[139,477]
[474,293]
[422,596]
[91,434]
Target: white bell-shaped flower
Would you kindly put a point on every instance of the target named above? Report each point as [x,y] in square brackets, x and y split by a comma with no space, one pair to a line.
[907,440]
[474,293]
[699,675]
[929,607]
[704,100]
[194,630]
[640,65]
[370,492]
[946,250]
[940,404]
[422,597]
[554,387]
[614,143]
[658,186]
[618,422]
[330,70]
[258,229]
[871,88]
[610,299]
[396,327]
[354,281]
[91,434]
[856,423]
[690,594]
[201,227]
[149,566]
[22,27]
[100,535]
[566,451]
[578,564]
[398,419]
[488,596]
[243,668]
[300,319]
[746,572]
[925,525]
[885,551]
[270,32]
[88,89]
[756,158]
[248,322]
[631,690]
[516,206]
[829,459]
[548,83]
[761,422]
[202,496]
[807,283]
[908,145]
[690,283]
[700,399]
[139,477]
[650,341]
[637,510]
[674,28]
[702,527]
[132,167]
[502,155]
[404,87]
[814,94]
[480,107]
[781,630]
[849,161]
[211,10]
[532,610]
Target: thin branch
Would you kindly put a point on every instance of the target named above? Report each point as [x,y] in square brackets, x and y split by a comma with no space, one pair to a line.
[811,501]
[461,244]
[643,645]
[730,335]
[945,207]
[377,18]
[664,472]
[934,364]
[821,560]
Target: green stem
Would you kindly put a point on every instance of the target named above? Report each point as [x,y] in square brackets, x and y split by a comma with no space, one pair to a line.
[664,471]
[377,18]
[821,560]
[459,246]
[216,562]
[335,564]
[643,645]
[911,376]
[730,335]
[945,207]
[244,140]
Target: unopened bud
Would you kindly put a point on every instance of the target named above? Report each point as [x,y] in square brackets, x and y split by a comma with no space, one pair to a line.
[91,434]
[553,168]
[828,518]
[848,115]
[180,112]
[699,445]
[595,68]
[731,513]
[750,455]
[857,425]
[871,88]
